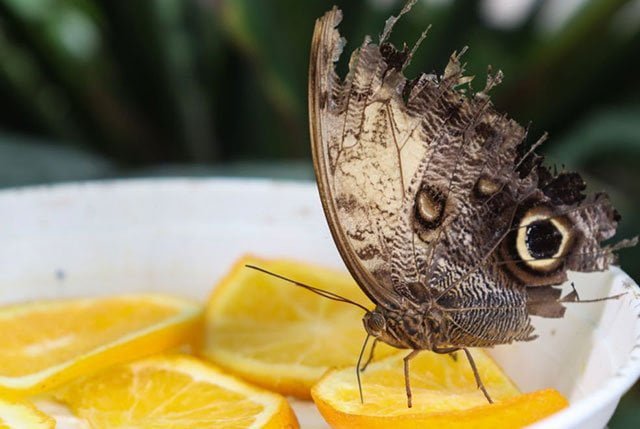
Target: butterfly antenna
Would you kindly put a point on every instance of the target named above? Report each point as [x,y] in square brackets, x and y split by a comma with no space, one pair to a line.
[364,347]
[321,292]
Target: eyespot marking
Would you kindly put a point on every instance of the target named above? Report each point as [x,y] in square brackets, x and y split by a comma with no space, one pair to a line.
[543,239]
[485,187]
[429,207]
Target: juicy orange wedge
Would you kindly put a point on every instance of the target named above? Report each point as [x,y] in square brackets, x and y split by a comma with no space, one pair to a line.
[22,414]
[280,336]
[444,395]
[44,344]
[173,392]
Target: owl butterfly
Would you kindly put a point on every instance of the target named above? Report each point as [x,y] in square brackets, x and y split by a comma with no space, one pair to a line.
[442,213]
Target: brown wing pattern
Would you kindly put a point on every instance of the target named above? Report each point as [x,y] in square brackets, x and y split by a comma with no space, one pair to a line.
[363,142]
[430,192]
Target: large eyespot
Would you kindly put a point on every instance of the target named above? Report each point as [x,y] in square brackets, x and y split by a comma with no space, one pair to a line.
[535,251]
[543,239]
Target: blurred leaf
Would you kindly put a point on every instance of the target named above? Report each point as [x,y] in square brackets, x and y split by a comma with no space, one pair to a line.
[37,36]
[276,49]
[32,100]
[606,146]
[615,129]
[559,75]
[25,161]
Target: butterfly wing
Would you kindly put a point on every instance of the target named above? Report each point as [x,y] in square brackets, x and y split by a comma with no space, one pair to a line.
[359,174]
[430,193]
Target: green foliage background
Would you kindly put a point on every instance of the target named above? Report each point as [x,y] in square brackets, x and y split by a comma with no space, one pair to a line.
[111,88]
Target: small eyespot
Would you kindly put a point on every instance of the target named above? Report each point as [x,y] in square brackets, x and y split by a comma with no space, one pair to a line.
[485,187]
[429,207]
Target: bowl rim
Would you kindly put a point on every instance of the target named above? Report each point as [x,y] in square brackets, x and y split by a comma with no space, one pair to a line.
[612,390]
[605,396]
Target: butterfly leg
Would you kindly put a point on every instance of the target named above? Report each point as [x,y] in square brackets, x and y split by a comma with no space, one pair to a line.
[407,385]
[370,358]
[364,347]
[451,351]
[477,375]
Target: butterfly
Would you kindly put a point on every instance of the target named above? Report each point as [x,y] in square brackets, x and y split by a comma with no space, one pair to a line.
[440,209]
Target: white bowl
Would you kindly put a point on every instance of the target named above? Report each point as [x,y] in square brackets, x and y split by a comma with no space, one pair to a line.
[179,236]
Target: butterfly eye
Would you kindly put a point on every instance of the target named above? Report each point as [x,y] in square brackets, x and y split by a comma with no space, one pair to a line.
[543,239]
[374,322]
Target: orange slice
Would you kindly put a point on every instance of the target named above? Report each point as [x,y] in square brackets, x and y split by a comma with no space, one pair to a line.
[444,396]
[173,392]
[16,414]
[281,336]
[44,344]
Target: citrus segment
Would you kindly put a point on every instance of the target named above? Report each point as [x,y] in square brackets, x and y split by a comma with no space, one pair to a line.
[173,392]
[18,414]
[281,336]
[444,395]
[46,343]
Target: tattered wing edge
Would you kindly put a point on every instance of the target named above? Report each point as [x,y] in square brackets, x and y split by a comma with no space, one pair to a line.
[321,59]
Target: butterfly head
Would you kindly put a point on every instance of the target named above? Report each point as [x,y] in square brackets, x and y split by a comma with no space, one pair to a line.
[375,323]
